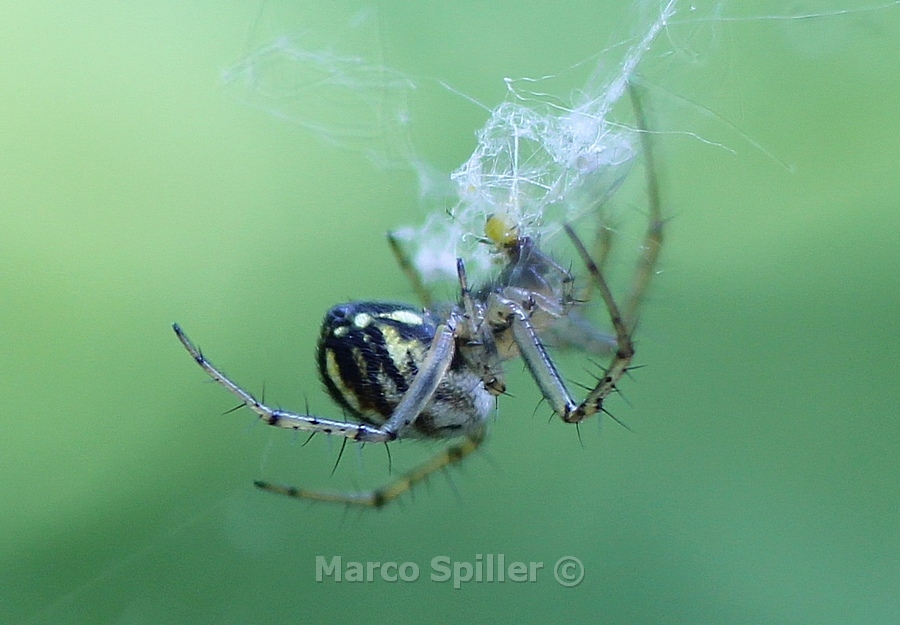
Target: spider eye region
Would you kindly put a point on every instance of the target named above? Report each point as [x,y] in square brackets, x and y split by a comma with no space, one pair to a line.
[369,353]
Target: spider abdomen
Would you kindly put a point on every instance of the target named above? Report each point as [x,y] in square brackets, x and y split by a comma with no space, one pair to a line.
[369,354]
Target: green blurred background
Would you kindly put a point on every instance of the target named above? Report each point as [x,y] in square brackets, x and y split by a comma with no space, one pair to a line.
[760,484]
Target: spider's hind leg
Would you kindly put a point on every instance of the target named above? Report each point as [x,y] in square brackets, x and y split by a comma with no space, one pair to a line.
[376,498]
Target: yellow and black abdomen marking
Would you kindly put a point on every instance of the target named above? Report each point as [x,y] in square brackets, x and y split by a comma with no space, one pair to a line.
[369,353]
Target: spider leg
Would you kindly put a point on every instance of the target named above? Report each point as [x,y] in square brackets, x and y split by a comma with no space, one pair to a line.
[420,392]
[653,238]
[466,299]
[376,498]
[624,353]
[361,432]
[409,270]
[432,370]
[604,240]
[538,361]
[604,245]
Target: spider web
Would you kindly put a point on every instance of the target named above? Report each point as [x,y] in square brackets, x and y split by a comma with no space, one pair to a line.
[539,162]
[541,159]
[337,89]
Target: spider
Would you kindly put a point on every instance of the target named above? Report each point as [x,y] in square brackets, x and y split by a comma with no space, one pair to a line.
[436,372]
